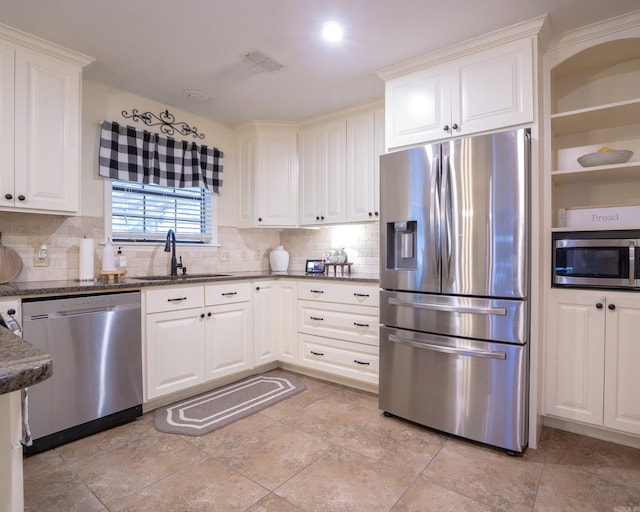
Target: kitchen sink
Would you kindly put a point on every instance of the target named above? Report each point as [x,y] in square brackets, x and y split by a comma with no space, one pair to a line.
[186,277]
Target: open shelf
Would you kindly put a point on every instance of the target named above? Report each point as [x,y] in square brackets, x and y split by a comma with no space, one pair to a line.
[611,115]
[606,173]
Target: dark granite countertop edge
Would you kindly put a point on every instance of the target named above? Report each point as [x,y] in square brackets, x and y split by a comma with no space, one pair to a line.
[21,364]
[30,288]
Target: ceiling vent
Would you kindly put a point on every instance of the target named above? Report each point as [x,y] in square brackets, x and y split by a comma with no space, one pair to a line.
[261,60]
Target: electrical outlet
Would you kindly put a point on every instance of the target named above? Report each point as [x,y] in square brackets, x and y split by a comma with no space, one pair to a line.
[224,256]
[41,258]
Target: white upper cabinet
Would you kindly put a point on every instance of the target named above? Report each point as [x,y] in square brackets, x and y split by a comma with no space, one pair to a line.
[339,168]
[482,85]
[40,87]
[268,167]
[322,174]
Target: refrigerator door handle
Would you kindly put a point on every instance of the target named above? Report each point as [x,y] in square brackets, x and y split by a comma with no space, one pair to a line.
[476,310]
[445,230]
[632,262]
[449,350]
[434,221]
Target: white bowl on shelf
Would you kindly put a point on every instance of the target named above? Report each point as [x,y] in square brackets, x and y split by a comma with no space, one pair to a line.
[615,156]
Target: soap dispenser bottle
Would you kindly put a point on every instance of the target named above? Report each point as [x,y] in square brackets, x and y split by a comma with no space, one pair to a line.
[121,260]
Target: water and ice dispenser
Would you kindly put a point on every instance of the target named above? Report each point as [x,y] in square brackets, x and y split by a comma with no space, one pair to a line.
[401,245]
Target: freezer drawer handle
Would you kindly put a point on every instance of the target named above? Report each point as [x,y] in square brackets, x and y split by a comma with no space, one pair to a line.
[450,309]
[449,350]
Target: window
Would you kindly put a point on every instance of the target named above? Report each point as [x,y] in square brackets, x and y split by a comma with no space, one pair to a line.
[145,212]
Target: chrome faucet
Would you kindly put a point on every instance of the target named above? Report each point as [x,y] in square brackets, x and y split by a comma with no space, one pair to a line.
[170,245]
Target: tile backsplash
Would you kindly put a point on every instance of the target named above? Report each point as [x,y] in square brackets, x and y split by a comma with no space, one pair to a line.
[240,249]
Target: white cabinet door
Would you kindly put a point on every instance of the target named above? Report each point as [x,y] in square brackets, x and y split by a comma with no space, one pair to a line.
[333,199]
[575,356]
[622,378]
[310,141]
[287,325]
[277,179]
[265,321]
[494,88]
[228,339]
[418,106]
[361,168]
[267,175]
[175,348]
[7,167]
[47,133]
[323,174]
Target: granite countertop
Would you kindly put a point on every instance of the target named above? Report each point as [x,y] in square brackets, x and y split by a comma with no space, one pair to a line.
[21,364]
[29,288]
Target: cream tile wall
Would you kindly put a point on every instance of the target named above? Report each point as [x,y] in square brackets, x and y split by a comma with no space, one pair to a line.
[247,249]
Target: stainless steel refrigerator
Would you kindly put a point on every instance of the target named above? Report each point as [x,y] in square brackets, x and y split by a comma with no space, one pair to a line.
[455,277]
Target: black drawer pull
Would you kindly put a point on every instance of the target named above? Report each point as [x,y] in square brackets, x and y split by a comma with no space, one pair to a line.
[364,363]
[360,325]
[316,318]
[316,291]
[316,353]
[229,294]
[177,299]
[360,294]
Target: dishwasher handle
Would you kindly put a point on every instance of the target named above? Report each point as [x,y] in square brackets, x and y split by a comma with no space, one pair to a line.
[449,350]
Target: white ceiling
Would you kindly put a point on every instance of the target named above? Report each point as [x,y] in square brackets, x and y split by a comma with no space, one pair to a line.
[160,48]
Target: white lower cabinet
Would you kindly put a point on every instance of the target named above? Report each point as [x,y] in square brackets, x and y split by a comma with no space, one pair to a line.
[265,321]
[592,351]
[287,323]
[338,329]
[174,351]
[194,334]
[174,340]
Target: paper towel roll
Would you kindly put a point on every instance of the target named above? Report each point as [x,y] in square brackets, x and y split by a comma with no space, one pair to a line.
[86,259]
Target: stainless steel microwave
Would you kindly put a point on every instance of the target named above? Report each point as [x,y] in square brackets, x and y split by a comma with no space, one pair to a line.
[591,259]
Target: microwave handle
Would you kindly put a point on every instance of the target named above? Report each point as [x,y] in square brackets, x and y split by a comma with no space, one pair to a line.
[632,263]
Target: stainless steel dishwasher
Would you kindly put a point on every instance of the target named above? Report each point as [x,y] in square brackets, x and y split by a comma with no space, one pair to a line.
[95,341]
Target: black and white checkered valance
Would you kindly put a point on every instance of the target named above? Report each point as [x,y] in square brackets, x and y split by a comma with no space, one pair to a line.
[129,154]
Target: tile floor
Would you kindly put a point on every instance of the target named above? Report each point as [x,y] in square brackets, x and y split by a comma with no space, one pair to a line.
[327,449]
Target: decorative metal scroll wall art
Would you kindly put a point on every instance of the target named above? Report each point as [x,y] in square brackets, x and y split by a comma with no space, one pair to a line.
[166,121]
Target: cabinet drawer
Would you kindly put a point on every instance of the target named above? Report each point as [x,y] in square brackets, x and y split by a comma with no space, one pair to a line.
[353,360]
[354,323]
[227,293]
[357,294]
[172,299]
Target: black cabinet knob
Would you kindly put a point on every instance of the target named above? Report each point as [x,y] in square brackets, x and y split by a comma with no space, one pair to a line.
[209,313]
[257,288]
[201,315]
[259,219]
[321,217]
[317,217]
[377,214]
[454,126]
[599,305]
[21,197]
[8,196]
[611,307]
[446,127]
[370,214]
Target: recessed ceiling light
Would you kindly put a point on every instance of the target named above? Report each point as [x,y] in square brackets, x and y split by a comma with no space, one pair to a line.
[332,31]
